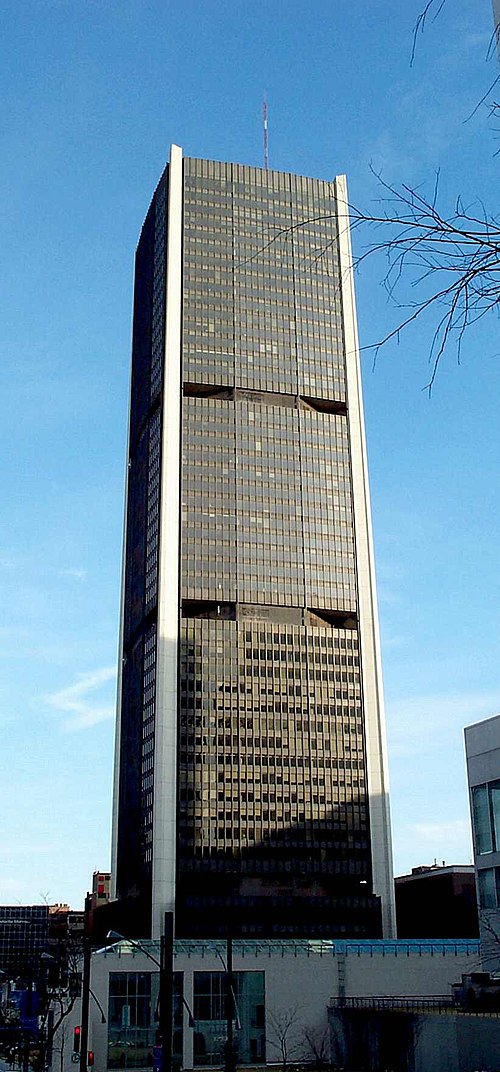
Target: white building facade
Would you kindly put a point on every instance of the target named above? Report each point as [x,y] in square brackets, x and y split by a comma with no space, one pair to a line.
[290,1000]
[482,749]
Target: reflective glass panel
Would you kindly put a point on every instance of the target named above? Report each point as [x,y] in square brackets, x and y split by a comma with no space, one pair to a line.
[481,819]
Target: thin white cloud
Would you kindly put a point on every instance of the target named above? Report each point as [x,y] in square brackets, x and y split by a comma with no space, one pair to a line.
[27,849]
[394,641]
[434,830]
[11,888]
[80,699]
[420,725]
[6,561]
[429,841]
[76,574]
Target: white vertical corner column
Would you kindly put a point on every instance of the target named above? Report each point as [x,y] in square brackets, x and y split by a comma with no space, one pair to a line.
[165,756]
[374,720]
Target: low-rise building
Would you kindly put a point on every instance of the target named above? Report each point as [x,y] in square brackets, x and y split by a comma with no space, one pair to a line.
[289,997]
[24,931]
[437,902]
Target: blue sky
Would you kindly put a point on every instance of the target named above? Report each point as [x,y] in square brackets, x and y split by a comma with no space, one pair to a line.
[93,94]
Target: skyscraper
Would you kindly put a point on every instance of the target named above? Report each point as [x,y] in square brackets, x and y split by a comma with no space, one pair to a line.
[250,781]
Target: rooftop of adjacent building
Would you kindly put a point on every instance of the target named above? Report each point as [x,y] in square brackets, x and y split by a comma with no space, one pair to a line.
[100,878]
[297,948]
[425,871]
[23,912]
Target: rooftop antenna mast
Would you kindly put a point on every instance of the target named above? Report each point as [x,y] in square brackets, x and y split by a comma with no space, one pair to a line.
[266,140]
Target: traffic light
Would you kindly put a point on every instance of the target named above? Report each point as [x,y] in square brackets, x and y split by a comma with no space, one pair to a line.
[90,1059]
[76,1039]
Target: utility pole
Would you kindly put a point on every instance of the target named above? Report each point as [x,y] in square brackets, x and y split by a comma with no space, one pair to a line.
[166,991]
[230,1056]
[87,958]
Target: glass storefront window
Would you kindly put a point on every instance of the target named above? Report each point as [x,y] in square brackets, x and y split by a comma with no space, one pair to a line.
[210,1028]
[133,1019]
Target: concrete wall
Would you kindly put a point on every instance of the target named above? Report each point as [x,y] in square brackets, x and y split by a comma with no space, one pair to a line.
[435,1042]
[482,747]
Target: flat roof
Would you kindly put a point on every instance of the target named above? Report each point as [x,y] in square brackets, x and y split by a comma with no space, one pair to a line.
[184,947]
[431,872]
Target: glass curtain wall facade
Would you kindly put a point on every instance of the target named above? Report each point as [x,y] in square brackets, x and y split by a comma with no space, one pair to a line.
[263,724]
[24,937]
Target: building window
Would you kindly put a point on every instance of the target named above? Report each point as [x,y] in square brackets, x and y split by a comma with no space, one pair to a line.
[494,795]
[488,880]
[209,1009]
[486,817]
[133,1019]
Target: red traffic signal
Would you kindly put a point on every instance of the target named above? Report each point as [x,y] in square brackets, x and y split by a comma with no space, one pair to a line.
[76,1039]
[90,1059]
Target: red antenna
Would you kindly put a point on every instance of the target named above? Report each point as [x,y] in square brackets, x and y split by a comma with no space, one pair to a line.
[266,141]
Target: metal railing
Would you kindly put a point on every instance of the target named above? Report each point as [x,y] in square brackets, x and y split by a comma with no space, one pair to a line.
[395,1003]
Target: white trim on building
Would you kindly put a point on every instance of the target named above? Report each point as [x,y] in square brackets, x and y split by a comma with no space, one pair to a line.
[165,757]
[378,783]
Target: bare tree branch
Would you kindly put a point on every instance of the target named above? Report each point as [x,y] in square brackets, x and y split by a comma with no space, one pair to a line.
[483,98]
[421,21]
[450,262]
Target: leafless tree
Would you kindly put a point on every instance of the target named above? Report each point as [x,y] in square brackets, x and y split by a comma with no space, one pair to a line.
[451,259]
[431,12]
[284,1036]
[446,257]
[451,262]
[57,1005]
[317,1047]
